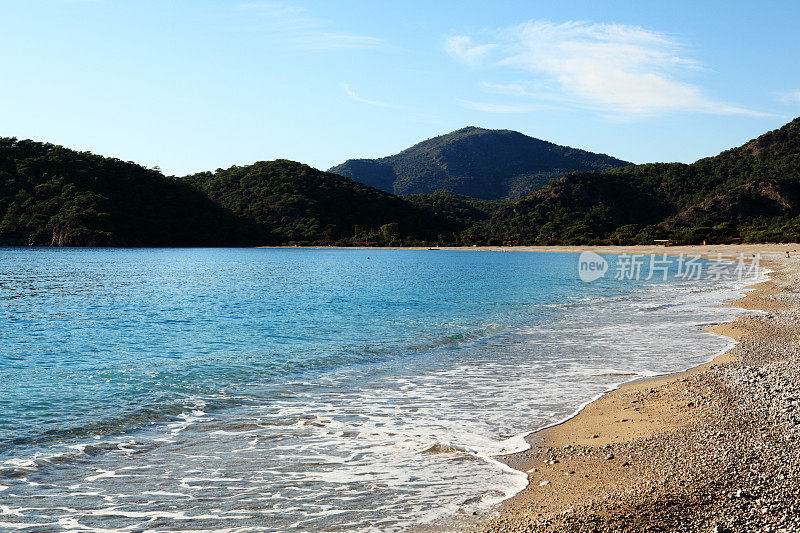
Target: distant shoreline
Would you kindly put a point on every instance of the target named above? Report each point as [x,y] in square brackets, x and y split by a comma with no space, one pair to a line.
[707,251]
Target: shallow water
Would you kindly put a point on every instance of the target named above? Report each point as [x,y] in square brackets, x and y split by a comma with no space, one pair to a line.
[280,390]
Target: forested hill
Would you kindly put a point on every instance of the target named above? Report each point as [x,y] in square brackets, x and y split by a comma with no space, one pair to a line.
[476,162]
[53,196]
[750,193]
[50,195]
[298,203]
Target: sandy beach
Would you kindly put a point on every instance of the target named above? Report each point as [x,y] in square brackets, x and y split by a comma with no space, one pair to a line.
[711,449]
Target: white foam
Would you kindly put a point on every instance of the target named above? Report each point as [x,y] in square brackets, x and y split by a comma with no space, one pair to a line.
[166,493]
[6,510]
[374,448]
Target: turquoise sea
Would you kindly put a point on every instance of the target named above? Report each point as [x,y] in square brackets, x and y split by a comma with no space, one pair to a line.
[306,390]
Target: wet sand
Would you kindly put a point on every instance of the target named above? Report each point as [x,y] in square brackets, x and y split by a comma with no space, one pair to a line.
[716,448]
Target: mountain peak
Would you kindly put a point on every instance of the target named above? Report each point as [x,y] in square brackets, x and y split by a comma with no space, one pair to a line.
[469,129]
[477,162]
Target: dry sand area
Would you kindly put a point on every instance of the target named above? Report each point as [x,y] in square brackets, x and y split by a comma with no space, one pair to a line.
[716,448]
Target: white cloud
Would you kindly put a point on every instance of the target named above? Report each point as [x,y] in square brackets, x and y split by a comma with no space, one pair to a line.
[354,96]
[616,69]
[408,113]
[790,97]
[462,48]
[295,27]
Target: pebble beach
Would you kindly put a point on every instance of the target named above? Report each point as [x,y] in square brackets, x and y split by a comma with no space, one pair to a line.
[716,448]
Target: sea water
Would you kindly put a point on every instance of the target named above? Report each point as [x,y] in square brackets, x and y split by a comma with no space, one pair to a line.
[307,390]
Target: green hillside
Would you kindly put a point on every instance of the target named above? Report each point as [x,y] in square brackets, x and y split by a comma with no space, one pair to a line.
[751,192]
[53,196]
[487,164]
[461,210]
[298,203]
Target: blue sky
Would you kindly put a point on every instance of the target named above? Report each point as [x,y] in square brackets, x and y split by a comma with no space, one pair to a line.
[192,85]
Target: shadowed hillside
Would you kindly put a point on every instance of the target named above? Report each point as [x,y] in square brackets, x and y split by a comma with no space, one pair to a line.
[487,164]
[296,202]
[53,196]
[750,192]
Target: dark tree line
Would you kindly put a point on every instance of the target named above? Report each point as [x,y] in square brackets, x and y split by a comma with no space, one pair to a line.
[50,195]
